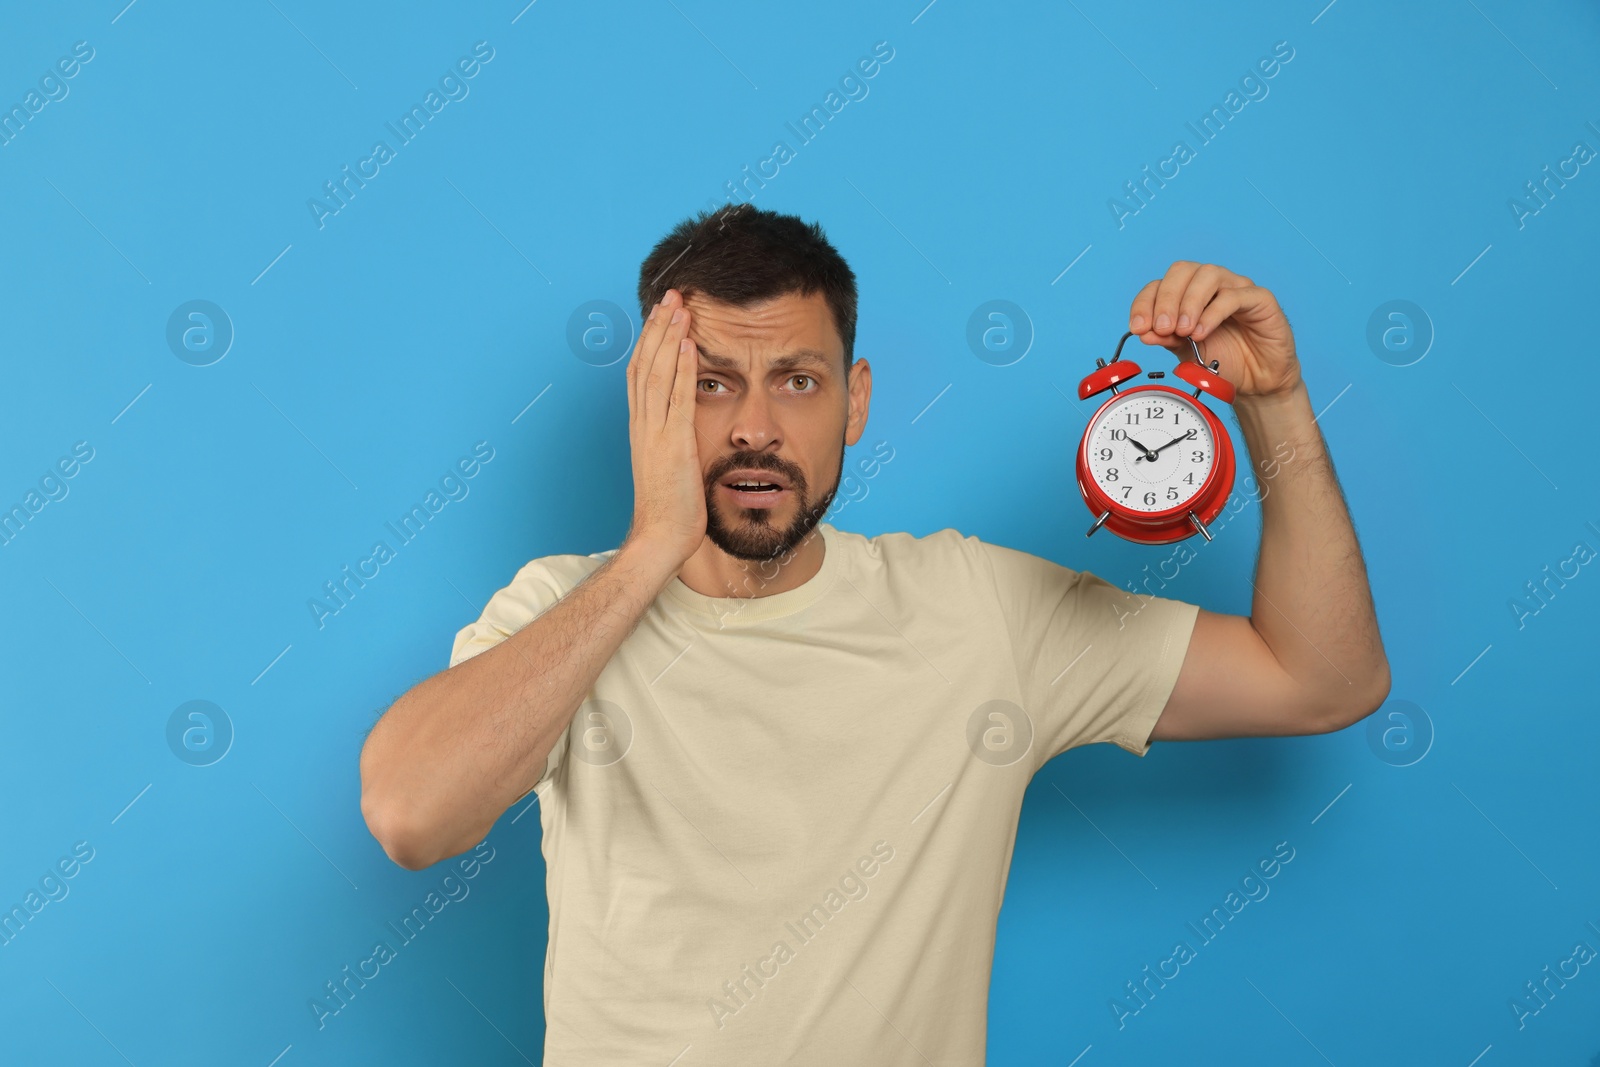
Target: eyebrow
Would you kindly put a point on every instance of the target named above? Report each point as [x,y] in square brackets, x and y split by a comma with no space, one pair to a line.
[800,357]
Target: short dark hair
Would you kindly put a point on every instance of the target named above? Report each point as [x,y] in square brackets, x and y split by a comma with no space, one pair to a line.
[740,254]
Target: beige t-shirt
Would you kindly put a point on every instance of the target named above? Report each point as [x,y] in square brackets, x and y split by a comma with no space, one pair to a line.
[778,829]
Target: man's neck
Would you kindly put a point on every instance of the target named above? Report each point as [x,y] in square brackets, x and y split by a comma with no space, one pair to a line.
[712,572]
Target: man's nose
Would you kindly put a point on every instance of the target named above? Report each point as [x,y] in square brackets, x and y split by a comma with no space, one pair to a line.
[754,426]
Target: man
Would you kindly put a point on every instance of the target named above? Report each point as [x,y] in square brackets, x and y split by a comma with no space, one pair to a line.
[780,766]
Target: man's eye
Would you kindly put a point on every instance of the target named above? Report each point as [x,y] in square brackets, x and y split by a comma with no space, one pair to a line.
[801,378]
[709,381]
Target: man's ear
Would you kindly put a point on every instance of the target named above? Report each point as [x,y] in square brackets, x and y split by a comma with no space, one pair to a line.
[860,390]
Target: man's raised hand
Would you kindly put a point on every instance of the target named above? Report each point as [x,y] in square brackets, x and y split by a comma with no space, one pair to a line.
[1229,317]
[669,496]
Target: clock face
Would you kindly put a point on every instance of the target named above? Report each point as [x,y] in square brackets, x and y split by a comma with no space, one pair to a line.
[1136,424]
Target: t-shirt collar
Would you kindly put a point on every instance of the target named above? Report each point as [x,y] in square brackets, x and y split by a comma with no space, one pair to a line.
[742,610]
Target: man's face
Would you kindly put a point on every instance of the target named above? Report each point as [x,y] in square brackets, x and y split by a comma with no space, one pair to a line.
[773,404]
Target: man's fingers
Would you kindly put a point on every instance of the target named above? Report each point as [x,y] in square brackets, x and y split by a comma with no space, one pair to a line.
[1184,291]
[658,343]
[636,361]
[683,384]
[1228,302]
[664,364]
[1203,285]
[1169,293]
[1139,316]
[650,336]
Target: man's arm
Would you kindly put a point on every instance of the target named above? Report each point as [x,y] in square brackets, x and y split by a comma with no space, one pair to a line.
[1308,658]
[452,754]
[459,748]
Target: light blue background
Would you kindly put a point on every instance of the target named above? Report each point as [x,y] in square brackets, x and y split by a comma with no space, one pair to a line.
[373,352]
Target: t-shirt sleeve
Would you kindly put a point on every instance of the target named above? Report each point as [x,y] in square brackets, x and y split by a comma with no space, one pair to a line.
[1094,662]
[533,591]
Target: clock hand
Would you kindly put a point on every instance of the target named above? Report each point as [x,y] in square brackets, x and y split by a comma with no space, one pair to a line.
[1172,442]
[1147,453]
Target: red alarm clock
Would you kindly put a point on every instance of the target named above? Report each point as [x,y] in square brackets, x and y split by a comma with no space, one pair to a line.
[1155,465]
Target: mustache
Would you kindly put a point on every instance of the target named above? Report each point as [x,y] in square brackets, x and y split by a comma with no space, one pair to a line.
[755,461]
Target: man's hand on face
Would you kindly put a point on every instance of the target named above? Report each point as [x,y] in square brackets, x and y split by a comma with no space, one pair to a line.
[669,495]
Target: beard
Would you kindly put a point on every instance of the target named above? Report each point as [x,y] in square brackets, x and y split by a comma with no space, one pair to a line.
[753,535]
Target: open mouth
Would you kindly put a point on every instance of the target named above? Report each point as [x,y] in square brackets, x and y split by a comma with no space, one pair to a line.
[752,490]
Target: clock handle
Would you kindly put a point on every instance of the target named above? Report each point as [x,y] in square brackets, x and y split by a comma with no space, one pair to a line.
[1198,525]
[1192,344]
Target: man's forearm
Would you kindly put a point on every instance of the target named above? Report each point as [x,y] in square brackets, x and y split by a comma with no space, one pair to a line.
[461,746]
[1312,603]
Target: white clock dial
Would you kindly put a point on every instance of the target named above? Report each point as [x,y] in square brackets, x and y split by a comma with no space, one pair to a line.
[1136,424]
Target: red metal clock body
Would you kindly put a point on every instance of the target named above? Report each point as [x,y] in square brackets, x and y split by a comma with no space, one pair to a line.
[1155,465]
